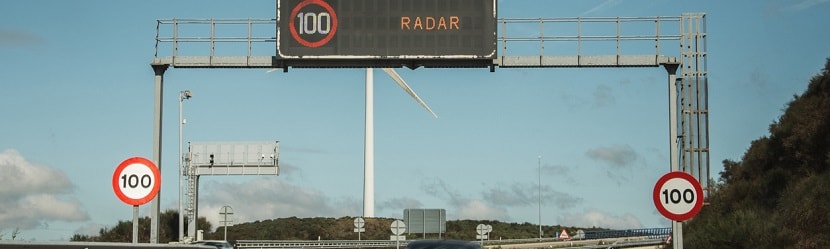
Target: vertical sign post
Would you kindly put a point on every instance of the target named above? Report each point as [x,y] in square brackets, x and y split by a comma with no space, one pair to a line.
[227,218]
[482,232]
[398,228]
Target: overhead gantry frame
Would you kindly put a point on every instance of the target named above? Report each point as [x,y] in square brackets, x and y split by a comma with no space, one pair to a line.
[562,43]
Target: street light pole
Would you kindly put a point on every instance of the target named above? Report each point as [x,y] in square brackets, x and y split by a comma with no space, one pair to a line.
[182,96]
[539,162]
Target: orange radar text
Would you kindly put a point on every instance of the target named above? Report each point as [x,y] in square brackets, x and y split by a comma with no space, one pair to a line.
[430,23]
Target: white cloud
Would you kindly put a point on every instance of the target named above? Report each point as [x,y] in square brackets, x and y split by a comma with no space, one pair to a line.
[479,210]
[559,171]
[526,194]
[621,161]
[463,207]
[516,195]
[441,190]
[400,204]
[556,170]
[615,155]
[20,177]
[50,206]
[596,218]
[603,96]
[17,38]
[32,194]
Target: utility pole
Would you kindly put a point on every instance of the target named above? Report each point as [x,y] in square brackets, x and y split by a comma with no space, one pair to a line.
[539,163]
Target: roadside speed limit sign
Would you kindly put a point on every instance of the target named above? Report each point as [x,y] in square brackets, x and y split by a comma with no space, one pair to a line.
[678,196]
[136,181]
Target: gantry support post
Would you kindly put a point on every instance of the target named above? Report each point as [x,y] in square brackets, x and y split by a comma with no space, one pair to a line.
[671,68]
[193,203]
[157,114]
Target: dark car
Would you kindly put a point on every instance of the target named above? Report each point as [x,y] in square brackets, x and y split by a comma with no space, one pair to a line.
[219,244]
[442,244]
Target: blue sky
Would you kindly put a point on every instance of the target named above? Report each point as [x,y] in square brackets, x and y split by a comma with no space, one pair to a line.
[76,98]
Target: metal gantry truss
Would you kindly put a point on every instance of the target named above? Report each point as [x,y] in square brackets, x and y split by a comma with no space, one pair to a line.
[627,42]
[224,159]
[523,42]
[575,41]
[694,99]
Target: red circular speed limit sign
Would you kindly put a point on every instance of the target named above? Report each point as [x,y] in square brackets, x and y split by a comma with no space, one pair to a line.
[313,23]
[678,196]
[136,181]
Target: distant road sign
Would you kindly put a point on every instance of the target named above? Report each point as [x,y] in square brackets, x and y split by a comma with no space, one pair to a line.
[564,235]
[419,220]
[398,227]
[136,181]
[359,222]
[678,196]
[481,229]
[580,234]
[358,225]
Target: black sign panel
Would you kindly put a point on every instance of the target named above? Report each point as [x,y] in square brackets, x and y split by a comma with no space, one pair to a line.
[386,29]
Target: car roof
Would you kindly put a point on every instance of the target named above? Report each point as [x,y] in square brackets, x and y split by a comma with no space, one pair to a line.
[211,242]
[442,244]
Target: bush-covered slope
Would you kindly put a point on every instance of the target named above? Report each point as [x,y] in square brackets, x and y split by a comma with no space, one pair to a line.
[778,195]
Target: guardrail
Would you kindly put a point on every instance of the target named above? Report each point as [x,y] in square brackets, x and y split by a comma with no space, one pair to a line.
[318,243]
[646,235]
[93,245]
[624,244]
[652,233]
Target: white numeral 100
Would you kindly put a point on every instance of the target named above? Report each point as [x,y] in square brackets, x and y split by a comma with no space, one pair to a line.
[312,23]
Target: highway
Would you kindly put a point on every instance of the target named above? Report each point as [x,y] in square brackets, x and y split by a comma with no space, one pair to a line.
[630,238]
[622,242]
[629,242]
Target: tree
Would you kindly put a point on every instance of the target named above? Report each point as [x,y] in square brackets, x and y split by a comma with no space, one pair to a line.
[123,230]
[776,196]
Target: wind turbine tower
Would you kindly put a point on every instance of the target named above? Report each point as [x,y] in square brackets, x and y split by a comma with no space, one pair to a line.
[369,139]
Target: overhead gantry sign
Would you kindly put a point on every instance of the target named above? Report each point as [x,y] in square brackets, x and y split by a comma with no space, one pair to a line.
[386,33]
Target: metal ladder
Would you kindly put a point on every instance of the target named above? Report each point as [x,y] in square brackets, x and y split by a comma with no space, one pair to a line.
[693,99]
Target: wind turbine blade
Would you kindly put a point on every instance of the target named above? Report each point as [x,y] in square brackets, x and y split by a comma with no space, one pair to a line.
[408,90]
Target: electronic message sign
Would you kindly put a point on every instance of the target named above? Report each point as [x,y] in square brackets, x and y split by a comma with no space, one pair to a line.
[386,30]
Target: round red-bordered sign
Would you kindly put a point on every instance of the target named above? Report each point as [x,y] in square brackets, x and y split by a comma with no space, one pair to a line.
[136,181]
[293,27]
[678,196]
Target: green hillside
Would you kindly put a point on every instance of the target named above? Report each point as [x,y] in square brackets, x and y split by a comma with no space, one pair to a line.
[294,228]
[778,195]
